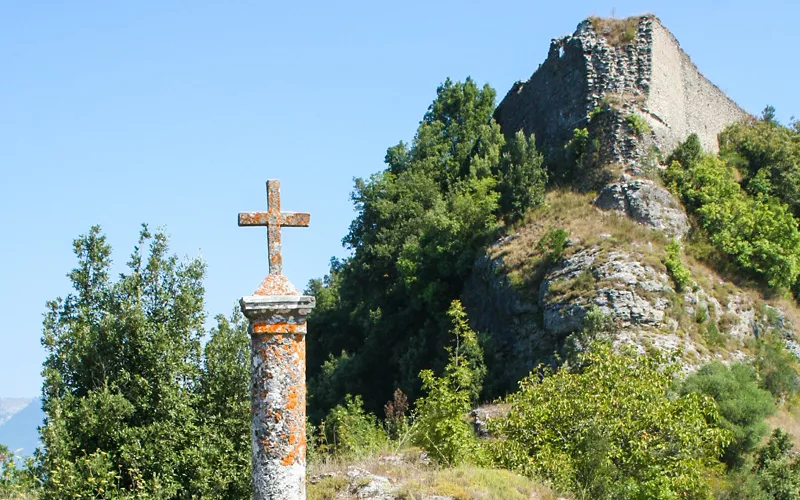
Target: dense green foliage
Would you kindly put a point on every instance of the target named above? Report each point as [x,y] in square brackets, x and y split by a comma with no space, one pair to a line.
[440,424]
[768,156]
[675,267]
[776,366]
[742,404]
[15,481]
[608,428]
[638,124]
[758,233]
[349,431]
[777,474]
[133,406]
[420,225]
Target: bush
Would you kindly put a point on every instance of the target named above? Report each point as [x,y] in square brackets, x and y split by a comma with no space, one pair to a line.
[15,481]
[778,474]
[554,242]
[743,406]
[675,267]
[350,431]
[441,425]
[638,124]
[521,176]
[608,428]
[776,367]
[760,234]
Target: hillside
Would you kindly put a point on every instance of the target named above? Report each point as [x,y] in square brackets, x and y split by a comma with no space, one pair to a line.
[588,290]
[624,240]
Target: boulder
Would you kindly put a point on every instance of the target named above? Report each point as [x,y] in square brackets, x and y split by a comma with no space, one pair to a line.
[647,203]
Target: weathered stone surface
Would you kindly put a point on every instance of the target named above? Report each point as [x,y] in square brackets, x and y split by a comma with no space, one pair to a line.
[647,203]
[622,287]
[366,485]
[651,73]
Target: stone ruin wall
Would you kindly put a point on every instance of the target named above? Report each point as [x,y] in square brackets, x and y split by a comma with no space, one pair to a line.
[681,100]
[651,76]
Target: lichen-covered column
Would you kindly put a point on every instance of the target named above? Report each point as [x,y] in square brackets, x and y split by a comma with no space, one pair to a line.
[277,314]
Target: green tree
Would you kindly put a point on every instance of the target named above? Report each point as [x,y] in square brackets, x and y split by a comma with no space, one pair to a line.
[760,234]
[768,156]
[743,405]
[522,177]
[419,227]
[441,425]
[222,449]
[120,378]
[349,431]
[608,427]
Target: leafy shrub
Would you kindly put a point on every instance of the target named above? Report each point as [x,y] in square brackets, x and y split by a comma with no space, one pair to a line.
[15,481]
[778,474]
[441,416]
[350,431]
[553,242]
[761,235]
[743,406]
[675,267]
[688,153]
[768,156]
[638,124]
[521,177]
[776,366]
[608,428]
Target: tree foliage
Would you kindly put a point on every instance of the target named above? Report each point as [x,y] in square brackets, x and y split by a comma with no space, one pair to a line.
[768,156]
[743,405]
[420,224]
[608,428]
[133,408]
[441,425]
[759,233]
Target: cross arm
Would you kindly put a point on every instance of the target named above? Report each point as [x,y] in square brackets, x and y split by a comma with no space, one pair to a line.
[253,219]
[295,219]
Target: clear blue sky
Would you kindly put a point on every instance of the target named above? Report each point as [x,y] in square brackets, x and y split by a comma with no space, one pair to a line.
[175,114]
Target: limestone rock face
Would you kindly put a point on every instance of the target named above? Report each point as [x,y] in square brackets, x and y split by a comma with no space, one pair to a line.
[623,288]
[527,323]
[647,203]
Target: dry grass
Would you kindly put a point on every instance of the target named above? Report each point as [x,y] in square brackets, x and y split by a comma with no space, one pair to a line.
[574,212]
[616,31]
[787,419]
[414,479]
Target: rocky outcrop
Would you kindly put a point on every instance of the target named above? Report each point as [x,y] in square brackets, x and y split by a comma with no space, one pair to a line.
[647,203]
[617,283]
[710,320]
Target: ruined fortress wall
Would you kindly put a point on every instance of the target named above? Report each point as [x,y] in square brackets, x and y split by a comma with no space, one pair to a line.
[682,101]
[651,75]
[553,101]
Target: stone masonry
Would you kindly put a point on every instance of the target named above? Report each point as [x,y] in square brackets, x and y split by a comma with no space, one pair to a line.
[277,312]
[648,74]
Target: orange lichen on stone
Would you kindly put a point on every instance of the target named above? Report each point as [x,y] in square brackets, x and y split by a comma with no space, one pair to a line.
[263,327]
[274,219]
[292,403]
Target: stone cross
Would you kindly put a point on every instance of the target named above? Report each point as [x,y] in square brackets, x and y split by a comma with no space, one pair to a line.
[274,219]
[277,312]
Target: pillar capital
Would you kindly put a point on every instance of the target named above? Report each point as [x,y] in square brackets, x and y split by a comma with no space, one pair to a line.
[263,307]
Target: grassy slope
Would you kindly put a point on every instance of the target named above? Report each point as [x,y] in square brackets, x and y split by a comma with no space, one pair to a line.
[412,478]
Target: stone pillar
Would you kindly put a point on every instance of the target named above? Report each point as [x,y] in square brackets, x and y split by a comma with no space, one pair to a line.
[277,314]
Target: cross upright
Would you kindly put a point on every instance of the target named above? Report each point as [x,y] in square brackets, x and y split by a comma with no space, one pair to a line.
[274,219]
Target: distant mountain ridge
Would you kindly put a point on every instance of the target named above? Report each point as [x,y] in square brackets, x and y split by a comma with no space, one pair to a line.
[19,422]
